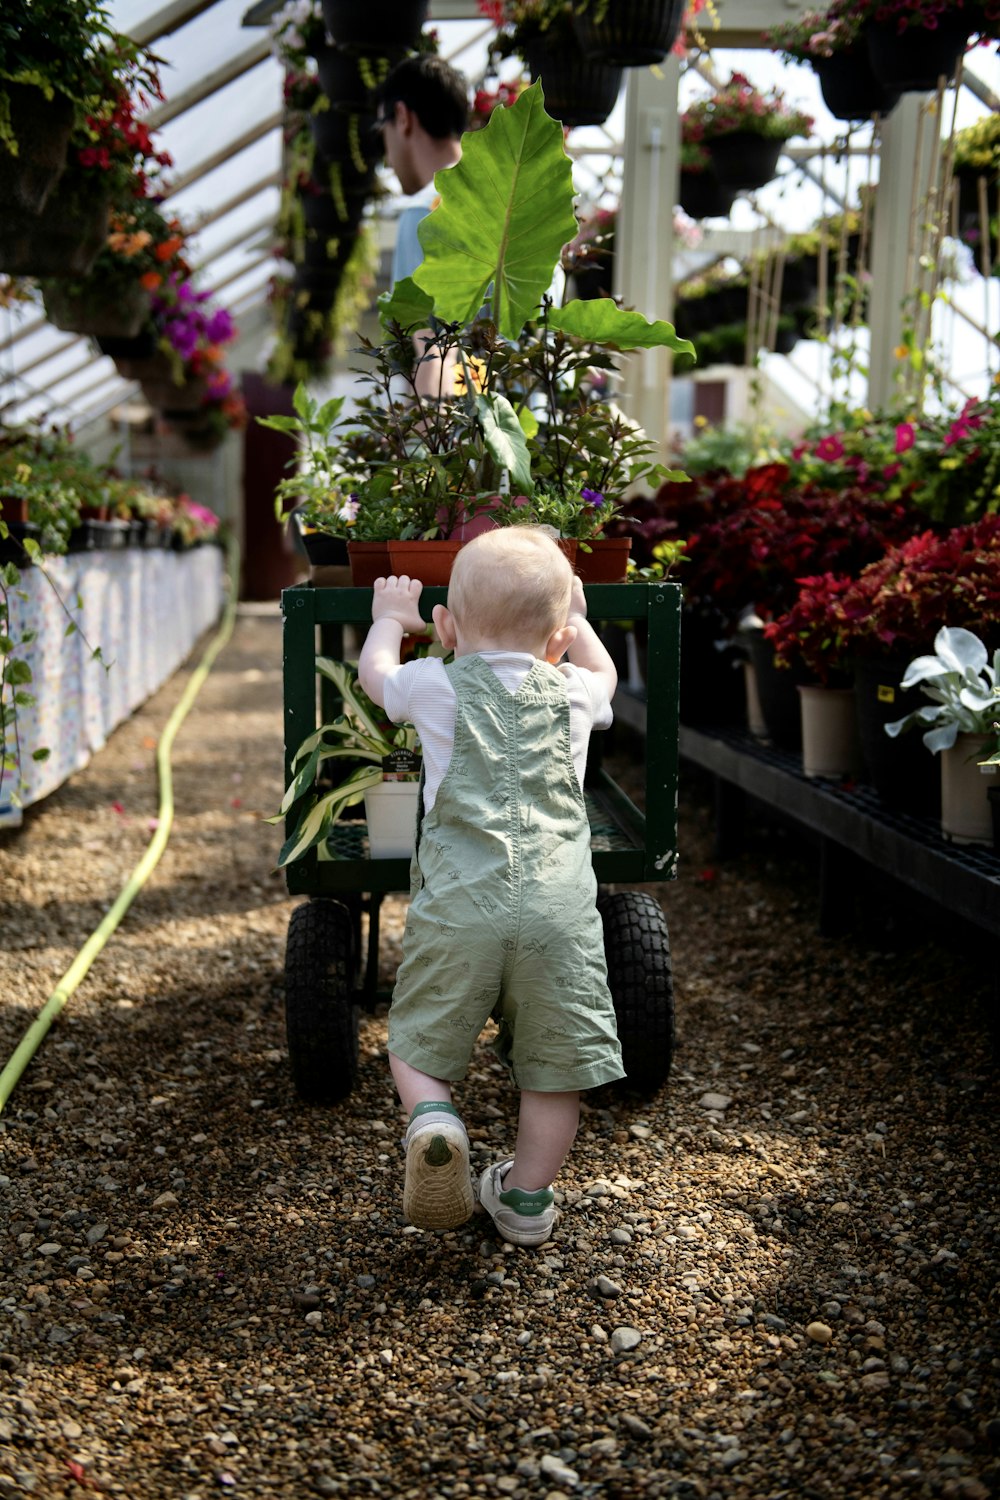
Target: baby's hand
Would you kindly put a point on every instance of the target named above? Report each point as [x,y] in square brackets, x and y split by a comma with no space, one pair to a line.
[398,599]
[577,599]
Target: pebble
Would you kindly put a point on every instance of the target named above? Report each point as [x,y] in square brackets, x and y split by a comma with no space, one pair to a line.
[820,1333]
[715,1101]
[178,1350]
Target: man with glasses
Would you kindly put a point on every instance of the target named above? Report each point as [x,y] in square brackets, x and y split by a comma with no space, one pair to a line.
[422,109]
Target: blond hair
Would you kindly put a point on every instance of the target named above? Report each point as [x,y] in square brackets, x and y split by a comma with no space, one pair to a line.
[512,583]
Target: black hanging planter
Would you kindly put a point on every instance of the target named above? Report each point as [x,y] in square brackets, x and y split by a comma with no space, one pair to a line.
[349,79]
[702,196]
[630,33]
[346,137]
[377,26]
[577,92]
[42,129]
[913,60]
[105,311]
[849,87]
[742,160]
[63,240]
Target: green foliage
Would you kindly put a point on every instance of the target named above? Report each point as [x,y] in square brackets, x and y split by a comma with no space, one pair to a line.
[359,733]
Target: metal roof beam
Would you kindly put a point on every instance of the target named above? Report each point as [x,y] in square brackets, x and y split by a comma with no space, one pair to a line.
[209,84]
[168,20]
[225,153]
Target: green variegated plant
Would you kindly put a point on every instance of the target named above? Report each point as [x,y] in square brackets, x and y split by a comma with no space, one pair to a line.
[359,735]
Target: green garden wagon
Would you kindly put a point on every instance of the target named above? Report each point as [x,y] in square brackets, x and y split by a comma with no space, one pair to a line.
[329,979]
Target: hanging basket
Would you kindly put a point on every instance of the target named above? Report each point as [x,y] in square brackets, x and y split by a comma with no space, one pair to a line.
[849,87]
[913,60]
[108,313]
[702,196]
[42,129]
[349,79]
[631,33]
[328,218]
[742,160]
[378,26]
[577,92]
[63,240]
[342,136]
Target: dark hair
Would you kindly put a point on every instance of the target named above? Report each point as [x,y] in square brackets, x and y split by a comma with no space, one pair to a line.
[435,91]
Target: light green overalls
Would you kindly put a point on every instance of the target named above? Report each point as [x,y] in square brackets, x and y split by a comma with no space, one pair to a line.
[502,918]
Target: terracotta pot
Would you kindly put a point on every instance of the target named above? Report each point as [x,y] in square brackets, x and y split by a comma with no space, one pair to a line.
[42,129]
[913,60]
[966,816]
[830,743]
[378,26]
[431,562]
[13,509]
[577,92]
[631,34]
[607,560]
[368,560]
[742,160]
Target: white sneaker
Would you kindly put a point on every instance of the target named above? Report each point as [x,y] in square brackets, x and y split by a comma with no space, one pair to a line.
[437,1191]
[521,1218]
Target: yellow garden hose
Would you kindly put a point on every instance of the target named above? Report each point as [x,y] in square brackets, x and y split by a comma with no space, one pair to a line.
[80,967]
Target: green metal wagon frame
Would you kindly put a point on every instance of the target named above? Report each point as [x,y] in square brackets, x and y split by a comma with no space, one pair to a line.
[327,977]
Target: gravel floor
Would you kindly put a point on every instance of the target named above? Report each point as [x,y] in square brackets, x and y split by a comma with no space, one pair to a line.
[777,1278]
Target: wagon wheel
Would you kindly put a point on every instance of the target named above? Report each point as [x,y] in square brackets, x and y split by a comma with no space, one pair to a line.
[321,1015]
[637,948]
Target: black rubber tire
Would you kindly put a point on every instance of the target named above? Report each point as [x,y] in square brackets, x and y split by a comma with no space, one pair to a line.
[640,977]
[321,1012]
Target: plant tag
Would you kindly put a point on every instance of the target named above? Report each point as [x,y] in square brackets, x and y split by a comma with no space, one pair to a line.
[886,694]
[401,765]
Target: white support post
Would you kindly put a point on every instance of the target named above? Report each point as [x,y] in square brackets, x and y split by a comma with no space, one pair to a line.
[645,234]
[904,134]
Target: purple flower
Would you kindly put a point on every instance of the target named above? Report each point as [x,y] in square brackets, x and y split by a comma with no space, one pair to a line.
[219,327]
[592,497]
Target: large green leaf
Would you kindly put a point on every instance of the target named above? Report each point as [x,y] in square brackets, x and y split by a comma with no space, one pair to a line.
[505,440]
[406,304]
[602,321]
[506,211]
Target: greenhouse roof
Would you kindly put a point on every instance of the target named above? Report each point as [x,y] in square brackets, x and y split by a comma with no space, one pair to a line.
[221,123]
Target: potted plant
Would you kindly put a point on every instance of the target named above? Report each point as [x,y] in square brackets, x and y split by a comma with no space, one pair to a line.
[912,44]
[977,177]
[964,688]
[743,131]
[699,192]
[628,33]
[835,46]
[385,774]
[516,400]
[542,34]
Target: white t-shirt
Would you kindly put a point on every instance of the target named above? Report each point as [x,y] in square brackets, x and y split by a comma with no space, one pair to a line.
[420,693]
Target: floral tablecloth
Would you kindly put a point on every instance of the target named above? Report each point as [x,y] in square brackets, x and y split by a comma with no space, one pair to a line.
[144,608]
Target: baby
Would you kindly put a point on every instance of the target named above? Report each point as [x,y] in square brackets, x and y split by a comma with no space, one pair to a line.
[502,920]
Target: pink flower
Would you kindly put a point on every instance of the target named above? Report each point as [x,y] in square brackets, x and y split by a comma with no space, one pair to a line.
[829,449]
[905,436]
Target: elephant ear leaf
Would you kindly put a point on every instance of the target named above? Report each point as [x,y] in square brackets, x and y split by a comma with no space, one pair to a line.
[506,211]
[406,304]
[602,321]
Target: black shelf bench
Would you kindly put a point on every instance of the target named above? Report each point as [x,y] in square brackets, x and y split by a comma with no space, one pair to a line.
[851,823]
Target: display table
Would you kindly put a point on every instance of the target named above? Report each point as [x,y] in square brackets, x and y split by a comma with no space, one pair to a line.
[144,609]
